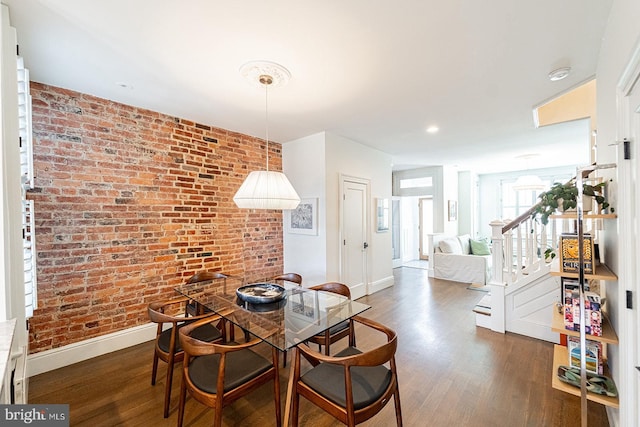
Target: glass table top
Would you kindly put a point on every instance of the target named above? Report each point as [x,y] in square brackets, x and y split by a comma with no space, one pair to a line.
[284,323]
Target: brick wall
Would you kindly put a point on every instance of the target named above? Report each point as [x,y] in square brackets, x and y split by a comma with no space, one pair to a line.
[129,203]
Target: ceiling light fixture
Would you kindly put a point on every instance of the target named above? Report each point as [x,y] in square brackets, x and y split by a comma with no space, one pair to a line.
[559,73]
[433,129]
[266,189]
[528,182]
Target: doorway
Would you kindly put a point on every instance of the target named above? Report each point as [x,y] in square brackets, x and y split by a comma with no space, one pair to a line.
[425,226]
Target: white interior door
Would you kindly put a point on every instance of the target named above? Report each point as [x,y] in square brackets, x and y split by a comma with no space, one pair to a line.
[355,213]
[629,246]
[632,285]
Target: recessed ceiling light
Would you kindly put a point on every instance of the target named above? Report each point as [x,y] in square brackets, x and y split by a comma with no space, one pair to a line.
[124,85]
[559,74]
[433,129]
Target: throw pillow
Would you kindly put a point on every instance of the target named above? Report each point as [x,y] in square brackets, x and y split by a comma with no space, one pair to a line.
[479,247]
[450,246]
[464,243]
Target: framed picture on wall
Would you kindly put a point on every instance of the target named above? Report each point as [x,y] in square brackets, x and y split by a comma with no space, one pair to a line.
[382,215]
[304,218]
[453,210]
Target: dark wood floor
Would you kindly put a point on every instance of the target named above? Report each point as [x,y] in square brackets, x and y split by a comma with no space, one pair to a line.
[450,373]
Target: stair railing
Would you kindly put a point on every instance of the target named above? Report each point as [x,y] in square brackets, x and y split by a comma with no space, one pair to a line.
[518,251]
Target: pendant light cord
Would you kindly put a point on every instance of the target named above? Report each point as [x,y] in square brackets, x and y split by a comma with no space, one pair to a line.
[266,118]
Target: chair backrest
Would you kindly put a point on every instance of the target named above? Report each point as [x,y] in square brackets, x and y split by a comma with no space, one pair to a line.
[226,376]
[348,359]
[202,276]
[162,311]
[335,287]
[289,277]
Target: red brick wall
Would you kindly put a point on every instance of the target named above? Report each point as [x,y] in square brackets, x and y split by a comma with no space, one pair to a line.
[128,203]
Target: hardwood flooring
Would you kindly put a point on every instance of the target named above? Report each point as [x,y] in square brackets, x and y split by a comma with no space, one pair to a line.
[450,374]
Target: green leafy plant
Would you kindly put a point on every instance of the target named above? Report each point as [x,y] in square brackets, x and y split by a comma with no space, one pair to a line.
[565,196]
[549,254]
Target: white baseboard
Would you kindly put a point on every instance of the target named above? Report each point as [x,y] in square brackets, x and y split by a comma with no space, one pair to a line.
[49,360]
[378,285]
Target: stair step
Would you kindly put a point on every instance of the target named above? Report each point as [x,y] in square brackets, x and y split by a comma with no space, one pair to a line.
[483,306]
[482,310]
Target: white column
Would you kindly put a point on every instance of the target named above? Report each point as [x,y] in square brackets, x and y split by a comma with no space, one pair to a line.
[497,283]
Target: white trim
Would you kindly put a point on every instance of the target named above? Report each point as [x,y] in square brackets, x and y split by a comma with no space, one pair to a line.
[378,285]
[49,360]
[627,248]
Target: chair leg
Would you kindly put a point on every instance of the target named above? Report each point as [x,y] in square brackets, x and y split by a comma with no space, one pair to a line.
[154,369]
[167,388]
[295,406]
[396,401]
[276,385]
[183,397]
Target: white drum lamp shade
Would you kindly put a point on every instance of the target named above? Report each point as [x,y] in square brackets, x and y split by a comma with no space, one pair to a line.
[266,190]
[528,182]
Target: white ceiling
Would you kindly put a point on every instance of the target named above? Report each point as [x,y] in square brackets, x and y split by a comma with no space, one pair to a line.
[376,72]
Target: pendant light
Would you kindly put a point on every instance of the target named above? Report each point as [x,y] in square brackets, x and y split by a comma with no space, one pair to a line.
[266,189]
[528,182]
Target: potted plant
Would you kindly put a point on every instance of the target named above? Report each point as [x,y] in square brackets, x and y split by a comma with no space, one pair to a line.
[564,197]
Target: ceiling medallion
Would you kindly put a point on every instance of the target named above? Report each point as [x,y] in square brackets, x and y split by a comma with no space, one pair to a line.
[254,72]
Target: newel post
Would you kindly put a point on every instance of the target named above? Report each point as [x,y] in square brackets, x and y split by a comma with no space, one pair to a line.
[497,283]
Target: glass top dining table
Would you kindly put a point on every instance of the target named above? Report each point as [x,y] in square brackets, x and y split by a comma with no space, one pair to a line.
[284,323]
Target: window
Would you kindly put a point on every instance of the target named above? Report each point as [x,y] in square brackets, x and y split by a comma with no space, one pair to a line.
[425,181]
[26,172]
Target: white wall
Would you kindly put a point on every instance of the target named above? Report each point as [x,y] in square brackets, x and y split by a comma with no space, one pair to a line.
[467,215]
[307,254]
[314,165]
[347,157]
[449,192]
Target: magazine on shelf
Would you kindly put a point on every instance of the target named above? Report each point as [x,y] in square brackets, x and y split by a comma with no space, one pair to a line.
[592,306]
[570,255]
[594,362]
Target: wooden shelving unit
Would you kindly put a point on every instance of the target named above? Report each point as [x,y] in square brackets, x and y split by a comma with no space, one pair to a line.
[561,357]
[609,336]
[574,215]
[602,272]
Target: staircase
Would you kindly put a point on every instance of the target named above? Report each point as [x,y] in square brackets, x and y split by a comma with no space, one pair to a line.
[522,290]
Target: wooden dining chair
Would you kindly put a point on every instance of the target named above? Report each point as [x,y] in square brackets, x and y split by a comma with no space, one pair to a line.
[218,374]
[342,329]
[353,385]
[167,347]
[289,277]
[193,308]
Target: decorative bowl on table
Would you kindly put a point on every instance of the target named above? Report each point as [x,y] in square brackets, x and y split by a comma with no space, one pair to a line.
[260,293]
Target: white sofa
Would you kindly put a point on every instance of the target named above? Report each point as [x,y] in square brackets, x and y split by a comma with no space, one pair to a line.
[451,258]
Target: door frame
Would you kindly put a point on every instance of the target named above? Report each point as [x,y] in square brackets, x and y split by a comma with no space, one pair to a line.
[367,214]
[628,246]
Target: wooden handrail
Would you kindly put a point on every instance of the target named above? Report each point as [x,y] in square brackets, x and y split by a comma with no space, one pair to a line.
[520,219]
